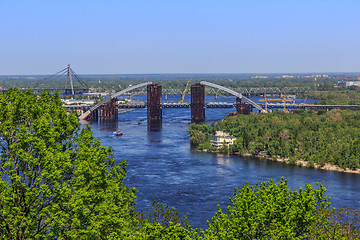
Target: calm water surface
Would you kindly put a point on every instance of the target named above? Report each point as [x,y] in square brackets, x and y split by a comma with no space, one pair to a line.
[160,164]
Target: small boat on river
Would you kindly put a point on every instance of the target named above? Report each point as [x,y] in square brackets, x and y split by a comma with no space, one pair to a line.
[117,133]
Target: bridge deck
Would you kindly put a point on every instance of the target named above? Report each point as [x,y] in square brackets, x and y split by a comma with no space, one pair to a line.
[218,105]
[180,105]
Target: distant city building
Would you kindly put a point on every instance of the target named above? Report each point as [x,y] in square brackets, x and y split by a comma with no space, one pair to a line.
[349,83]
[222,138]
[287,76]
[260,77]
[320,75]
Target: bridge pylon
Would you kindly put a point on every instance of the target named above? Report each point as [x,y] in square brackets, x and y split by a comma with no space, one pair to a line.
[106,112]
[197,103]
[154,108]
[242,107]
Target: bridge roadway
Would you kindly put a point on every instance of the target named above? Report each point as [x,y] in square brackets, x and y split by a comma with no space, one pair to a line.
[233,105]
[312,106]
[139,104]
[178,105]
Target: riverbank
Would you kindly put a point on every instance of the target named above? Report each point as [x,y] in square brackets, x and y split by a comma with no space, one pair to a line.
[299,163]
[302,163]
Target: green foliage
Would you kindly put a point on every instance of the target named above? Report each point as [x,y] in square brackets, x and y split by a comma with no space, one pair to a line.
[224,148]
[166,216]
[165,223]
[200,133]
[340,97]
[57,182]
[269,210]
[336,224]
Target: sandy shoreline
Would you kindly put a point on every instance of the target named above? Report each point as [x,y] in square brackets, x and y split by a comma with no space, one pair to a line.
[300,163]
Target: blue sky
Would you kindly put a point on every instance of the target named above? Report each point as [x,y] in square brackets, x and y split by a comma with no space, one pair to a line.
[173,36]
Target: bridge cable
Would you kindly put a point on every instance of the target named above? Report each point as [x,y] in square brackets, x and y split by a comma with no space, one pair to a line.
[82,82]
[56,74]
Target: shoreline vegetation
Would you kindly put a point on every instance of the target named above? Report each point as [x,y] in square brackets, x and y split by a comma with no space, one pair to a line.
[299,163]
[324,140]
[302,163]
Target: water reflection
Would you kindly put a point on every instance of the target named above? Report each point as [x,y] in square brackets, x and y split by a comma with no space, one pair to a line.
[111,126]
[222,159]
[154,126]
[154,137]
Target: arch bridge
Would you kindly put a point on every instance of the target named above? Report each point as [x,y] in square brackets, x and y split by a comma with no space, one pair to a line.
[107,110]
[244,91]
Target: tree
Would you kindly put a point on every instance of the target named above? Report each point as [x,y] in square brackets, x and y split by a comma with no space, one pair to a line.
[200,133]
[57,181]
[165,223]
[269,210]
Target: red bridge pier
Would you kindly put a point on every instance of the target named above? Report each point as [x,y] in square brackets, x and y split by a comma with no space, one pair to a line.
[107,112]
[197,103]
[243,108]
[154,109]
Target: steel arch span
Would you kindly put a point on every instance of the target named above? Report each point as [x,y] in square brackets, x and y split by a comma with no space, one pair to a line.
[232,92]
[87,113]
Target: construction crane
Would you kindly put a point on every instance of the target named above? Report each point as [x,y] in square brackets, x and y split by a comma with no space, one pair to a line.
[303,103]
[184,93]
[284,100]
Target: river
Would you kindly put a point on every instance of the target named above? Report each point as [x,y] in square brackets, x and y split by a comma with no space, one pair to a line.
[163,167]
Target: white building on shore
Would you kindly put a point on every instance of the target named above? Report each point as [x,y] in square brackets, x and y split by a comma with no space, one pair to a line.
[220,138]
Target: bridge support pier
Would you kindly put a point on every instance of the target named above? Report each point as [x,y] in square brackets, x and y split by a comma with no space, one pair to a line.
[107,112]
[242,108]
[154,109]
[197,103]
[94,115]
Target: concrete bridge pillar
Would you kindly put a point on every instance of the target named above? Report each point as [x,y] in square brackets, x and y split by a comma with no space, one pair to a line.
[154,109]
[93,115]
[197,103]
[238,105]
[242,107]
[107,112]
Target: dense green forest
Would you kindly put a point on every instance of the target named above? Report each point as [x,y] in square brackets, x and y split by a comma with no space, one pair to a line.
[58,182]
[340,96]
[316,137]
